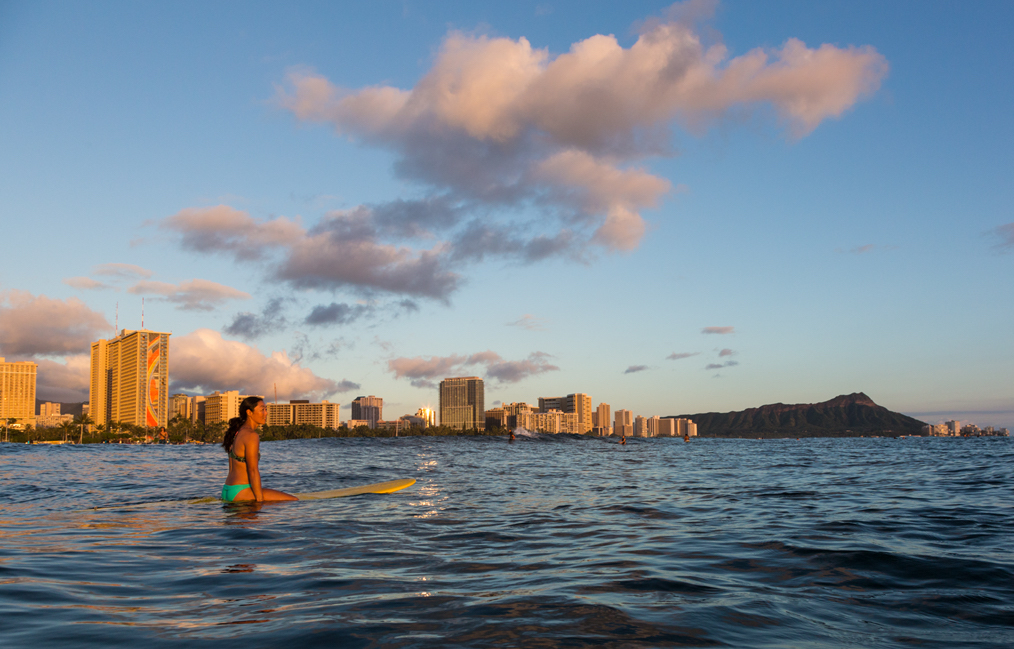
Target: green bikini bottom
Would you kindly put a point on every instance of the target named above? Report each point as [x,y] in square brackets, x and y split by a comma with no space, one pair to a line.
[230,491]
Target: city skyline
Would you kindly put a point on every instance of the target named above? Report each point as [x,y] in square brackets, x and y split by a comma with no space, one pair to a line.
[689,208]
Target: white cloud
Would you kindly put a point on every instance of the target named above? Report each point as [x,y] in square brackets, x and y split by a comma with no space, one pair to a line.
[718,330]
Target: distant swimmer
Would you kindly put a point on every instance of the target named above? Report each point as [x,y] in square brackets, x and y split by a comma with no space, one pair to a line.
[244,447]
[623,439]
[686,437]
[511,439]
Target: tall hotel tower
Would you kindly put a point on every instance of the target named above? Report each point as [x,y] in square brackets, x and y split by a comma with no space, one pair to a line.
[130,379]
[462,404]
[17,391]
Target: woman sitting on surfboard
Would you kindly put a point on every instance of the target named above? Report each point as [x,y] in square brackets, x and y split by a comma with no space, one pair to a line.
[244,447]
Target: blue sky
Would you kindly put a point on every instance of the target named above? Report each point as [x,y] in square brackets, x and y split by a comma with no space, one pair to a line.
[869,251]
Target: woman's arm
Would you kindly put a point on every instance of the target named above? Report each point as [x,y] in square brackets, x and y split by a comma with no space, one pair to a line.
[253,472]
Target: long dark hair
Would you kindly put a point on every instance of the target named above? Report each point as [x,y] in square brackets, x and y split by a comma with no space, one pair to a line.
[236,423]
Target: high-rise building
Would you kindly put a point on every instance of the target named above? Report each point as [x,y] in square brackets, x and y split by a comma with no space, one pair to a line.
[369,409]
[462,403]
[602,421]
[130,379]
[180,404]
[641,427]
[323,414]
[580,404]
[17,392]
[221,406]
[623,423]
[553,421]
[577,403]
[551,403]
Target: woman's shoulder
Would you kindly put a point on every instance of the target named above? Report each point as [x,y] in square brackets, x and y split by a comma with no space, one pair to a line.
[246,436]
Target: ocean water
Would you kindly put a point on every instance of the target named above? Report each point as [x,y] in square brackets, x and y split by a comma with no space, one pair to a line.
[549,541]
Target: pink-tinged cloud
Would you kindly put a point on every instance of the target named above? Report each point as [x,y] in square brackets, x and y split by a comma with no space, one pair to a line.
[497,122]
[85,283]
[424,371]
[633,369]
[726,352]
[194,295]
[224,229]
[66,382]
[680,356]
[718,330]
[205,361]
[37,325]
[122,271]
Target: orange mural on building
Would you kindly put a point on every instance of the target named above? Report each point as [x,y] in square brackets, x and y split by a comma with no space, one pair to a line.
[154,393]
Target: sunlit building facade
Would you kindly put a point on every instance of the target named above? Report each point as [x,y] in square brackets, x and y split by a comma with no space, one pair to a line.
[129,380]
[221,406]
[17,392]
[462,403]
[578,403]
[298,411]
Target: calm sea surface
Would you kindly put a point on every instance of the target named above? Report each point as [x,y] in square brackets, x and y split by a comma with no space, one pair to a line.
[545,542]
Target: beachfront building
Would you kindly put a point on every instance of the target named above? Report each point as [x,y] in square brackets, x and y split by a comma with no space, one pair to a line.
[601,421]
[50,416]
[130,379]
[641,427]
[462,403]
[352,424]
[623,423]
[17,392]
[663,427]
[180,404]
[577,403]
[369,408]
[682,427]
[221,406]
[553,421]
[301,411]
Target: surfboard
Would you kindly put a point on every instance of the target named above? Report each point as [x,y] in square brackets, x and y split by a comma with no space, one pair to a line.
[376,488]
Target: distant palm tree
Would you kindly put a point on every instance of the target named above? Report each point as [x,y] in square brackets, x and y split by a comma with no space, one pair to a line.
[67,428]
[10,421]
[81,421]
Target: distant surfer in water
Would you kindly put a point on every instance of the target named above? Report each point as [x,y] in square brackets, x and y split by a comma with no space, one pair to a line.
[511,439]
[244,447]
[623,439]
